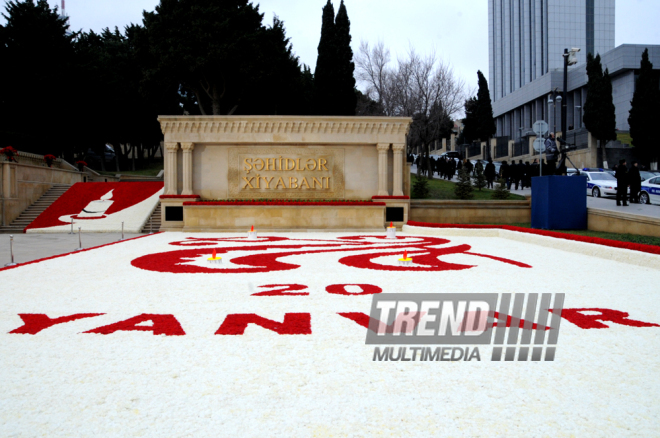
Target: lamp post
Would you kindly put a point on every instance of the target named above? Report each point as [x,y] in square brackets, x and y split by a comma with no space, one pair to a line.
[554,102]
[570,58]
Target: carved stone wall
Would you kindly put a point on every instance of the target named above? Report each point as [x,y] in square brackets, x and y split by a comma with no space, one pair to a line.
[324,157]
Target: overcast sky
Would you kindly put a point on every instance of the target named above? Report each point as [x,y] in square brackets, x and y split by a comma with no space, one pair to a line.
[456,29]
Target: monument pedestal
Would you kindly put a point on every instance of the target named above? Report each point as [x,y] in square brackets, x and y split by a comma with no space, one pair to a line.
[203,217]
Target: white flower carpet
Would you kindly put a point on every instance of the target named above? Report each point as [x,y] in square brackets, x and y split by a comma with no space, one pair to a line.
[146,337]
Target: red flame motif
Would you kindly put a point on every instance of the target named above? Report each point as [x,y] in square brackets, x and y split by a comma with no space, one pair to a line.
[405,254]
[214,255]
[268,254]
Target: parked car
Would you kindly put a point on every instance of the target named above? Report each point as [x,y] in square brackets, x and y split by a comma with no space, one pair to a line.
[451,154]
[650,193]
[92,156]
[599,183]
[646,175]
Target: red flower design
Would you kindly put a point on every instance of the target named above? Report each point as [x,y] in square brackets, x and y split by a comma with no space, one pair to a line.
[72,202]
[424,253]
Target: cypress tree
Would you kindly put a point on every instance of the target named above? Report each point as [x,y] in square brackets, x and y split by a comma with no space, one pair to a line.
[484,111]
[644,111]
[470,122]
[325,62]
[463,188]
[346,98]
[599,117]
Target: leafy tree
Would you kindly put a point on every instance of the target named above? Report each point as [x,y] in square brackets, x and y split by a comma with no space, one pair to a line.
[599,117]
[479,178]
[463,188]
[501,192]
[644,111]
[37,60]
[122,109]
[483,112]
[221,52]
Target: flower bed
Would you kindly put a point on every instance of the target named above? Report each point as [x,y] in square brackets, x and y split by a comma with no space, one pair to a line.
[100,207]
[179,196]
[147,338]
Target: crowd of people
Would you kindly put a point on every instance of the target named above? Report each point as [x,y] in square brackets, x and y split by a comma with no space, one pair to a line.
[518,175]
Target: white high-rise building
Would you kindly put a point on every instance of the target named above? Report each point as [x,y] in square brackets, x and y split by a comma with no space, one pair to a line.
[527,37]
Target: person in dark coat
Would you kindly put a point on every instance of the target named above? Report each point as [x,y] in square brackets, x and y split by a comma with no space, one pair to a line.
[621,176]
[535,169]
[516,173]
[528,174]
[469,167]
[489,173]
[635,181]
[550,155]
[505,174]
[520,175]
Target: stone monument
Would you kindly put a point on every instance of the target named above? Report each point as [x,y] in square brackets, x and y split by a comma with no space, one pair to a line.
[284,173]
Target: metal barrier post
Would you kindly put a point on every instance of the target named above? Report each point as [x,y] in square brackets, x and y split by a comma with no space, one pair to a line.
[79,241]
[11,251]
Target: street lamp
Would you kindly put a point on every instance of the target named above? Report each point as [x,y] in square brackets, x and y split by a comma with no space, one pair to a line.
[557,101]
[570,58]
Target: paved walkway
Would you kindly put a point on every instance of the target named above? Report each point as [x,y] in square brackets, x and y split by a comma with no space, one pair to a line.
[28,247]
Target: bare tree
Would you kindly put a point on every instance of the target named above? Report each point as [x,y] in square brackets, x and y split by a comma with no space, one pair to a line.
[424,88]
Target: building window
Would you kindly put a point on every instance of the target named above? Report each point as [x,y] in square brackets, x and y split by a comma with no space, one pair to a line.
[590,27]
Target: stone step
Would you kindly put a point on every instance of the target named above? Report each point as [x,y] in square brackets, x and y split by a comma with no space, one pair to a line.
[39,206]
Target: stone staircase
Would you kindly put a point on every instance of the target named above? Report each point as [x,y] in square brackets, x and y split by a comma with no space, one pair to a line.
[34,210]
[153,224]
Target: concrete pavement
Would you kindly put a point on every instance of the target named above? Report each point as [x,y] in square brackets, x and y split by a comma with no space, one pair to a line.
[28,247]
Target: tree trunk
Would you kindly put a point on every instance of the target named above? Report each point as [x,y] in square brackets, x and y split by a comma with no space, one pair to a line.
[602,145]
[427,148]
[103,157]
[116,156]
[215,101]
